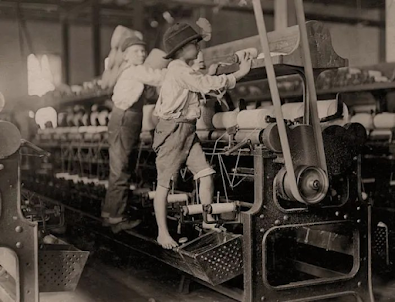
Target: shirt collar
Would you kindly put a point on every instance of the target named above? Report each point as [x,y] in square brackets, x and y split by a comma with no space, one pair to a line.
[178,63]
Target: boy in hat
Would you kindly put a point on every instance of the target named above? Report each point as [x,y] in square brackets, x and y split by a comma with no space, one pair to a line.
[175,140]
[124,130]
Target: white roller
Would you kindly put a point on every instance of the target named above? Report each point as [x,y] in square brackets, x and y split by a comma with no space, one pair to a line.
[193,209]
[149,120]
[252,119]
[170,197]
[385,120]
[225,120]
[291,111]
[215,135]
[381,134]
[220,208]
[328,108]
[365,119]
[367,108]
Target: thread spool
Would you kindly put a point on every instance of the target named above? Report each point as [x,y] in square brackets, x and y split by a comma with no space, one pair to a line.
[252,119]
[86,119]
[291,111]
[385,120]
[381,134]
[193,209]
[255,136]
[329,108]
[82,129]
[93,118]
[365,119]
[225,120]
[149,120]
[368,108]
[103,118]
[223,136]
[171,197]
[220,208]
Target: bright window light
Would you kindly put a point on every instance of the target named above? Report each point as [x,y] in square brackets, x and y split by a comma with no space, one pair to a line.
[44,73]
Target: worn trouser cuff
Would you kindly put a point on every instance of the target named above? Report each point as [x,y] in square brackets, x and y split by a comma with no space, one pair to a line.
[203,173]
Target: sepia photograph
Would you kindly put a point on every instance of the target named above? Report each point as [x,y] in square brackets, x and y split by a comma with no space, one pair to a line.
[197,150]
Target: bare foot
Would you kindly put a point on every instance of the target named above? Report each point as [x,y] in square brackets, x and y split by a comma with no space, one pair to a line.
[166,241]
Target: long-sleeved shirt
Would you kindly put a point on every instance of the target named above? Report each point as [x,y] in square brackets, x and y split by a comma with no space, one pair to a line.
[179,95]
[130,84]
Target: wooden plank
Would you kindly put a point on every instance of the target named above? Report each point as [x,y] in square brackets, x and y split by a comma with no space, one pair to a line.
[285,49]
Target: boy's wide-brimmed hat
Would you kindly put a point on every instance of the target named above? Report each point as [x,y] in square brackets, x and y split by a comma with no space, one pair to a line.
[177,36]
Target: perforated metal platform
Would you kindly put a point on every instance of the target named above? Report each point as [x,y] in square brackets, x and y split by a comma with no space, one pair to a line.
[214,257]
[60,267]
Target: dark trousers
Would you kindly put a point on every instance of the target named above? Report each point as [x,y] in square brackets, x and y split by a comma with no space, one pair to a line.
[123,136]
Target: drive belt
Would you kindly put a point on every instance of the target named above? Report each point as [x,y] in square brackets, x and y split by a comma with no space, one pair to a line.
[311,102]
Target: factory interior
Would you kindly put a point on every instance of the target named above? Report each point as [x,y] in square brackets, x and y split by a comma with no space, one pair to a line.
[197,150]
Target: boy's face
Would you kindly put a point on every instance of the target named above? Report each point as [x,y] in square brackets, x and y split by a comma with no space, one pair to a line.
[135,54]
[191,50]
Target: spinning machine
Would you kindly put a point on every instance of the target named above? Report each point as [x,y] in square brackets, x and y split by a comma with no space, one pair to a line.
[292,201]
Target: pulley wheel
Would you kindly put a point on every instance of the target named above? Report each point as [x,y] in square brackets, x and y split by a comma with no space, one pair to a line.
[10,139]
[312,184]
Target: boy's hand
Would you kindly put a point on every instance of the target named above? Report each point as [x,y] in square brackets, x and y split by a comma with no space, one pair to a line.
[212,70]
[244,68]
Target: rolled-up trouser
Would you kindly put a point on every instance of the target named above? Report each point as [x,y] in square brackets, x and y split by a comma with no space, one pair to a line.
[123,135]
[175,144]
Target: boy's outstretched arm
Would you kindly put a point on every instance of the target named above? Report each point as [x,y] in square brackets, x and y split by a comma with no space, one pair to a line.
[147,75]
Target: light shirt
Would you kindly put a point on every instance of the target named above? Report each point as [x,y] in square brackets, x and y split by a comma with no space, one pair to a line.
[179,95]
[130,84]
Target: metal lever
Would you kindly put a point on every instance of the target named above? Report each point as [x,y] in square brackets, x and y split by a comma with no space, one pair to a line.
[40,152]
[239,146]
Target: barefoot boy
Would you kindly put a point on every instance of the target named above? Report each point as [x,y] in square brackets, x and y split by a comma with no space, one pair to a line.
[175,140]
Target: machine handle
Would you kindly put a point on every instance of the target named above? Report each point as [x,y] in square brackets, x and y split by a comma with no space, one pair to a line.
[40,152]
[238,146]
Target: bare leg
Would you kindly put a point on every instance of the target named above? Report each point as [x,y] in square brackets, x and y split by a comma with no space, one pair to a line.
[160,205]
[206,191]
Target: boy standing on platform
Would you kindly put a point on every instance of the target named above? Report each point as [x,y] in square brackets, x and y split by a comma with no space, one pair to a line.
[124,131]
[178,108]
